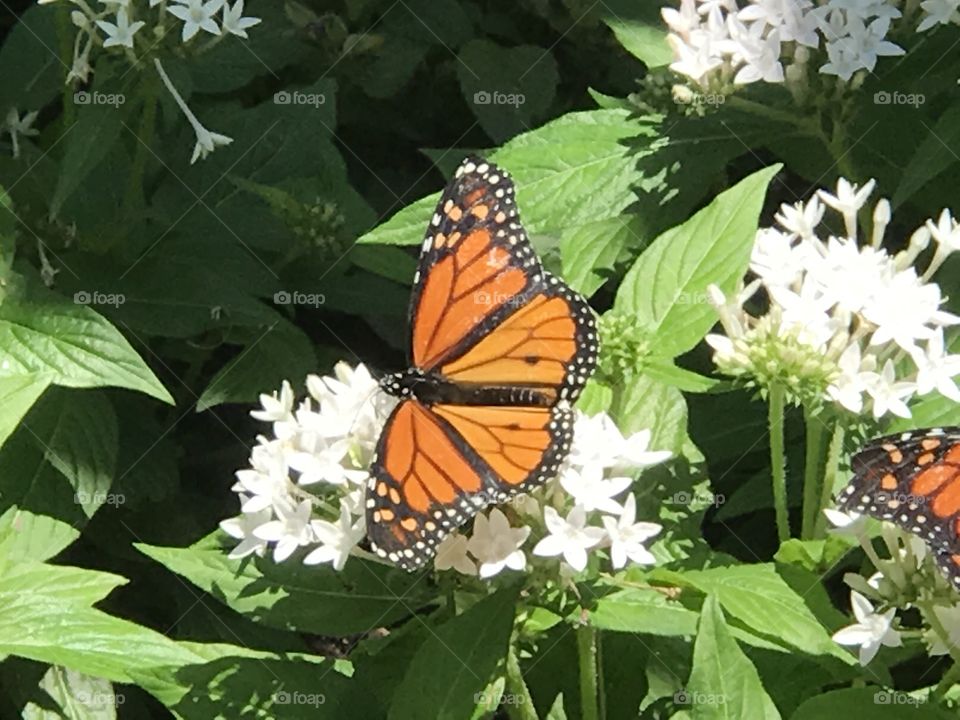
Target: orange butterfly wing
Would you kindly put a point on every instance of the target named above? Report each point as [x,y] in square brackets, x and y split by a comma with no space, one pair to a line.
[913,481]
[486,317]
[436,467]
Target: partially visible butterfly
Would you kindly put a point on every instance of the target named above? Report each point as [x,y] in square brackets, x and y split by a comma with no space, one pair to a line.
[913,480]
[499,351]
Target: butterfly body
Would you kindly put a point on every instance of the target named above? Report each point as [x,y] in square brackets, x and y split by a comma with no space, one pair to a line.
[912,479]
[430,388]
[499,350]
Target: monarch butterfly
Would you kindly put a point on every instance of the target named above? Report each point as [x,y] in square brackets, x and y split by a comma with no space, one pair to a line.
[913,480]
[499,350]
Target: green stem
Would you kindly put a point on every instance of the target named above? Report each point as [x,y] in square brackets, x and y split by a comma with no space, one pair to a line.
[589,692]
[831,468]
[811,472]
[521,706]
[778,463]
[950,678]
[800,120]
[926,609]
[134,199]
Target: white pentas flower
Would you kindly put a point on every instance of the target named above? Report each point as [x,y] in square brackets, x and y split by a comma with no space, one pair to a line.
[122,31]
[569,537]
[871,631]
[207,141]
[234,22]
[847,322]
[496,545]
[747,41]
[197,15]
[305,486]
[627,537]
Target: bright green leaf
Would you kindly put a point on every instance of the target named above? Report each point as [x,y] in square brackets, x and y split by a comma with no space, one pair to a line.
[456,662]
[18,393]
[318,600]
[724,684]
[74,344]
[667,287]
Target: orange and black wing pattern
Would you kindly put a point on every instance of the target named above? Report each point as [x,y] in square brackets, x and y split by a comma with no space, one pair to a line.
[435,468]
[913,480]
[499,349]
[483,310]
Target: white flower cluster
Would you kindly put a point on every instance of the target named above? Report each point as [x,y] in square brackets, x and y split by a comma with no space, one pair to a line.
[121,20]
[216,17]
[306,487]
[720,38]
[907,574]
[846,320]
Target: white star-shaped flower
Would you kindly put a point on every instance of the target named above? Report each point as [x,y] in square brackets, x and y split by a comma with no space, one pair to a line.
[627,536]
[496,545]
[337,540]
[289,531]
[870,631]
[234,22]
[888,394]
[276,407]
[243,528]
[937,368]
[569,537]
[452,553]
[122,32]
[590,490]
[939,12]
[197,15]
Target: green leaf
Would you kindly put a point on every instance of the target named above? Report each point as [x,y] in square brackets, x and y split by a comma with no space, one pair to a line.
[318,600]
[65,453]
[643,610]
[236,682]
[89,140]
[78,696]
[45,615]
[18,393]
[74,344]
[588,252]
[508,89]
[556,711]
[645,403]
[664,370]
[763,602]
[640,29]
[456,662]
[723,682]
[575,170]
[880,703]
[281,352]
[29,53]
[936,153]
[667,287]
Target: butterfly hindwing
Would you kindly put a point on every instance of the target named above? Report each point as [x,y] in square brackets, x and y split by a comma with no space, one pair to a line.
[437,467]
[912,480]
